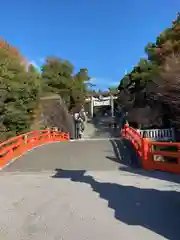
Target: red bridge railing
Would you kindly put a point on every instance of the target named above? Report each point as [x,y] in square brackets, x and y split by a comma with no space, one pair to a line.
[146,148]
[16,146]
[153,159]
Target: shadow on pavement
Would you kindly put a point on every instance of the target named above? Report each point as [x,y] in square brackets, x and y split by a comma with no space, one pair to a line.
[126,155]
[153,174]
[152,209]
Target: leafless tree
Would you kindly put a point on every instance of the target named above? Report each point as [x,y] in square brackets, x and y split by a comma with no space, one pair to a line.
[168,87]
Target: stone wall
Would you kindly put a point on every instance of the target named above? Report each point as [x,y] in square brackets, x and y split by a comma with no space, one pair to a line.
[54,113]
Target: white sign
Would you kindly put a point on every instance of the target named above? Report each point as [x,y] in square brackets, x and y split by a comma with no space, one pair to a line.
[101,103]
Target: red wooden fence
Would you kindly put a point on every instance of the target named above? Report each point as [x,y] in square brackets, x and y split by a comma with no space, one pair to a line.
[145,148]
[16,146]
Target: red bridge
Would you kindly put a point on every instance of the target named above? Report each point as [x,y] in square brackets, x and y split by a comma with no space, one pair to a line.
[56,188]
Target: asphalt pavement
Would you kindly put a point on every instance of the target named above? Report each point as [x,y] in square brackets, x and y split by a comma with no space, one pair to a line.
[87,190]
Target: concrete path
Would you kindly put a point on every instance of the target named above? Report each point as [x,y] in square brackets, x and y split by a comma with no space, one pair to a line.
[80,190]
[99,128]
[89,131]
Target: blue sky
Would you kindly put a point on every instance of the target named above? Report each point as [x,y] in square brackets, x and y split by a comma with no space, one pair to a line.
[107,37]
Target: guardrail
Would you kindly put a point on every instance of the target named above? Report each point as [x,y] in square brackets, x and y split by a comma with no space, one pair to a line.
[165,158]
[16,146]
[158,134]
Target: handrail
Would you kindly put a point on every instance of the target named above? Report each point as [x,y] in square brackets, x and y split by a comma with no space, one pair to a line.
[18,145]
[145,148]
[134,137]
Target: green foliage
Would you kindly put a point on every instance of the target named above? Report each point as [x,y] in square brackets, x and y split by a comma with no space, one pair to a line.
[57,74]
[59,78]
[79,86]
[113,90]
[147,70]
[21,88]
[167,43]
[19,93]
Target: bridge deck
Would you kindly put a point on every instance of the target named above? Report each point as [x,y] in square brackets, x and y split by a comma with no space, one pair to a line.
[93,197]
[77,155]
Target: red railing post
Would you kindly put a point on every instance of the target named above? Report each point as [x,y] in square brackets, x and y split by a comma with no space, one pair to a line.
[125,129]
[21,146]
[146,154]
[178,160]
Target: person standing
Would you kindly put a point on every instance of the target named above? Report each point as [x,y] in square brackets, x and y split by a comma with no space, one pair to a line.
[76,117]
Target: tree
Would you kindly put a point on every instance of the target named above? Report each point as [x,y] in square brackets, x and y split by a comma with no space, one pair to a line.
[140,87]
[58,76]
[19,92]
[113,90]
[168,88]
[167,43]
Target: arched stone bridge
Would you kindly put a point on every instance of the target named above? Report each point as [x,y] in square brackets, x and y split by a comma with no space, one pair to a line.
[86,189]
